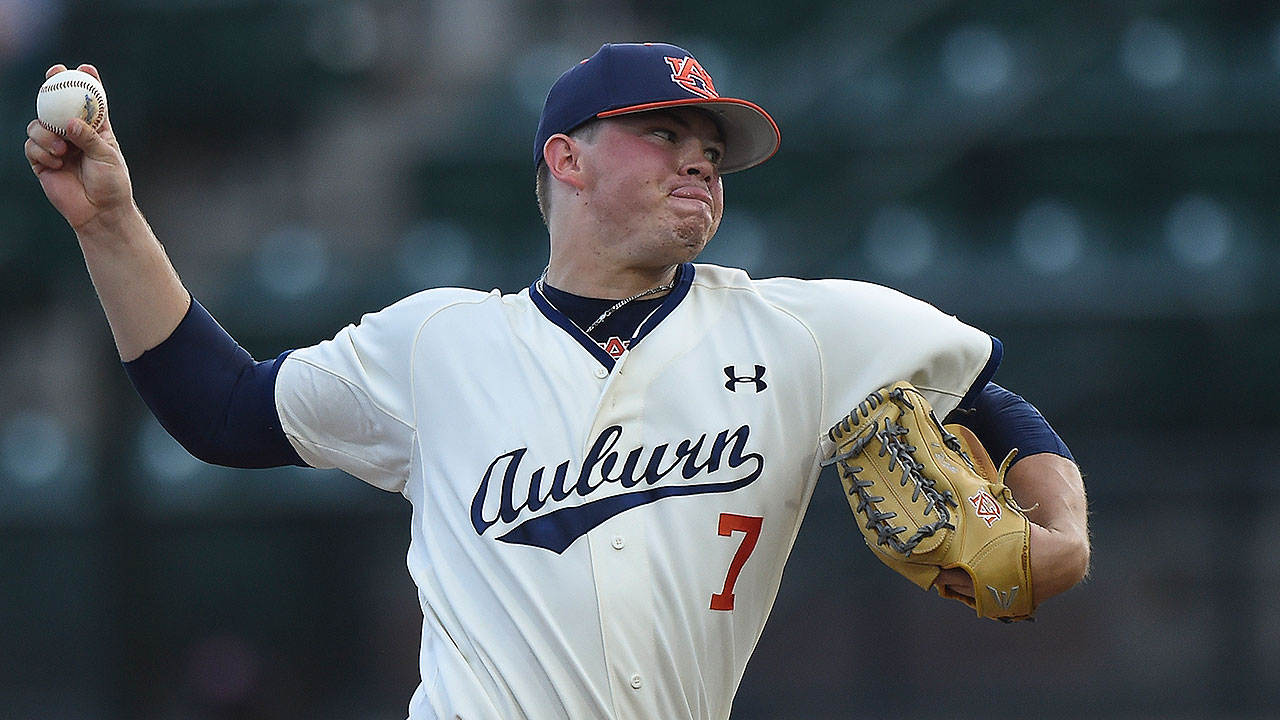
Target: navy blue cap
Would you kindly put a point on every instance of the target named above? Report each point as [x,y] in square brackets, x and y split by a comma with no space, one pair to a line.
[628,78]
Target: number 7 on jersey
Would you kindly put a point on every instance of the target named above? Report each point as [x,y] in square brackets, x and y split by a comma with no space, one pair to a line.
[749,526]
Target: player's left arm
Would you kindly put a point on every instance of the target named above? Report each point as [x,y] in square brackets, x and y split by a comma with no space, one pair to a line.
[1051,488]
[1044,479]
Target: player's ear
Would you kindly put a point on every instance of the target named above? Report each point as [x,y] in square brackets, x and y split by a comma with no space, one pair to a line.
[563,156]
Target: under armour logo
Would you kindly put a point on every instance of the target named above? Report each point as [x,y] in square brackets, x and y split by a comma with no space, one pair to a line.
[731,372]
[1004,599]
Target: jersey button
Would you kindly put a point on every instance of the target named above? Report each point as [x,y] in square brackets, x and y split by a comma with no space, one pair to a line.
[618,542]
[602,373]
[636,682]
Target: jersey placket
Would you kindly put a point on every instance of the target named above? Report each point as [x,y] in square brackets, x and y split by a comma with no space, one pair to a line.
[619,548]
[620,565]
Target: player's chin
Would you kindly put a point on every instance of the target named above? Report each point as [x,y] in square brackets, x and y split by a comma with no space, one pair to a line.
[697,228]
[692,240]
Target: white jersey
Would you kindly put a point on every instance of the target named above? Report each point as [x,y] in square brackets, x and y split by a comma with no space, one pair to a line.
[596,538]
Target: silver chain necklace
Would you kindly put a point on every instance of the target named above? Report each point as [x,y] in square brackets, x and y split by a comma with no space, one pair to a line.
[617,306]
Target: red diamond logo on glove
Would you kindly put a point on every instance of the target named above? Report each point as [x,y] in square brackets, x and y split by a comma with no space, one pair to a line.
[986,507]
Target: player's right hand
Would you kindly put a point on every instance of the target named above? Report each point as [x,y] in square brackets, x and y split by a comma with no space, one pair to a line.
[84,176]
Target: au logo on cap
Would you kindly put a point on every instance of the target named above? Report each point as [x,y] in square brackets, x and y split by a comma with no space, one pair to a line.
[688,74]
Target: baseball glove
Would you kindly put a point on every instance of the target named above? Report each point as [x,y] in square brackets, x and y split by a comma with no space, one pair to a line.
[928,498]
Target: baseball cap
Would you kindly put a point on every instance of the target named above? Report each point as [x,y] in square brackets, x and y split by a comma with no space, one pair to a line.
[624,78]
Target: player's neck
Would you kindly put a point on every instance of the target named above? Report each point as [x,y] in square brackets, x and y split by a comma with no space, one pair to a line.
[596,259]
[595,281]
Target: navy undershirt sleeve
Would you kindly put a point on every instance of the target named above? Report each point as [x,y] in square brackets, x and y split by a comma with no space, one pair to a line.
[212,397]
[1004,421]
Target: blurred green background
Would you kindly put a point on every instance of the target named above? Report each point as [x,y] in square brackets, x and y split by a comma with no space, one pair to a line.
[1095,183]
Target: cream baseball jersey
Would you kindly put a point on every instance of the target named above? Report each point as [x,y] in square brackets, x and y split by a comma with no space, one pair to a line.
[596,537]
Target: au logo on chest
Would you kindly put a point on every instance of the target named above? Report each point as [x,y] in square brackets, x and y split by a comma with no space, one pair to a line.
[615,346]
[534,504]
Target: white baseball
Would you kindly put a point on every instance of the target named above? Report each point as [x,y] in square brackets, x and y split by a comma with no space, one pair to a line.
[69,94]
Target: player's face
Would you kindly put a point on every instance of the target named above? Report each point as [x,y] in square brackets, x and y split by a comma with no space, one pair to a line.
[655,183]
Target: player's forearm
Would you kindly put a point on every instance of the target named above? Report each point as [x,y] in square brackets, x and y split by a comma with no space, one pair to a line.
[140,292]
[1052,490]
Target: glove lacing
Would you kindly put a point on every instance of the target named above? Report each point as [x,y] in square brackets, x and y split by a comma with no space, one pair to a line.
[893,444]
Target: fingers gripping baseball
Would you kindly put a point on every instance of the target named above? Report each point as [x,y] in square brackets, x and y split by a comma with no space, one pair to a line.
[84,174]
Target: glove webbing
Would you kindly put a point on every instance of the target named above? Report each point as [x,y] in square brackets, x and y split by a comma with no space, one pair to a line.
[893,444]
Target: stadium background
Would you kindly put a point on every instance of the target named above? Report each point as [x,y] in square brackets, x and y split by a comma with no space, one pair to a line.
[1095,183]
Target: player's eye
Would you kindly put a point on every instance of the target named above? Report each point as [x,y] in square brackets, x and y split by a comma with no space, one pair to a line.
[668,135]
[715,155]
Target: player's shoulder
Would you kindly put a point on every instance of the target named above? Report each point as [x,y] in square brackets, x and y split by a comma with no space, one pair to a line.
[792,291]
[441,297]
[407,317]
[424,304]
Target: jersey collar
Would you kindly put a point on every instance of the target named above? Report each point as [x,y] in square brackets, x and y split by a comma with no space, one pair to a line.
[684,281]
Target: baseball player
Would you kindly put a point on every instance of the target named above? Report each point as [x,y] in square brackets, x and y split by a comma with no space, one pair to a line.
[607,469]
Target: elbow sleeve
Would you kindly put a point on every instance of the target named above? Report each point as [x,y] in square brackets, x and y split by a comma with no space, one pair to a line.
[1004,421]
[212,397]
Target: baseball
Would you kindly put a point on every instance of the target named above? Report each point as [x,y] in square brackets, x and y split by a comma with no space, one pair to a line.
[71,93]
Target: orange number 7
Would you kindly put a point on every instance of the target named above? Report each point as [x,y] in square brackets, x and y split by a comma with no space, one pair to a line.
[750,527]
